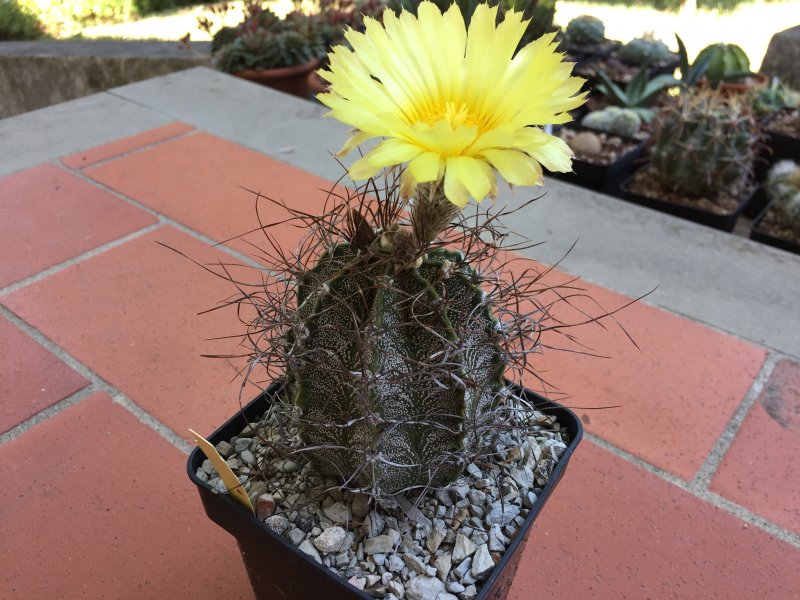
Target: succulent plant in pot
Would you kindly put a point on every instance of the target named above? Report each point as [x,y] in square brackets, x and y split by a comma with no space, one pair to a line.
[779,224]
[398,331]
[585,34]
[727,68]
[702,155]
[266,49]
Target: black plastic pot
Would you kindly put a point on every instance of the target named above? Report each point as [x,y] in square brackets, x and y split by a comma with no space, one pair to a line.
[278,570]
[725,222]
[603,178]
[781,145]
[765,238]
[757,205]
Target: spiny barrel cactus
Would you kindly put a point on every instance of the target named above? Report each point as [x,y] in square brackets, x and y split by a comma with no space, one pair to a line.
[725,62]
[615,120]
[704,144]
[783,189]
[585,31]
[644,51]
[391,363]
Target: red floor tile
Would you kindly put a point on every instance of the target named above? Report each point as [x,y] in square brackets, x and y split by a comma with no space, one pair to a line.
[674,395]
[48,216]
[131,315]
[199,181]
[31,378]
[96,505]
[761,470]
[612,530]
[91,156]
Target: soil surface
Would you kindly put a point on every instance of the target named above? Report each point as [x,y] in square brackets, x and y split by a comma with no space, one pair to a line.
[612,147]
[775,225]
[786,122]
[644,183]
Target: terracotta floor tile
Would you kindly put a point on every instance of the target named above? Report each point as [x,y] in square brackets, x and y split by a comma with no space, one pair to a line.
[199,180]
[31,378]
[674,395]
[612,531]
[761,470]
[131,315]
[97,505]
[48,215]
[88,157]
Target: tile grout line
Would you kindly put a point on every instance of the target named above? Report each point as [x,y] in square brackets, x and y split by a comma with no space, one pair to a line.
[79,258]
[711,498]
[96,384]
[166,220]
[702,479]
[192,131]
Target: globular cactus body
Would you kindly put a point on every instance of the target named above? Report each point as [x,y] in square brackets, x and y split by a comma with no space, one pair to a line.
[726,62]
[644,51]
[614,120]
[585,31]
[704,145]
[389,365]
[783,189]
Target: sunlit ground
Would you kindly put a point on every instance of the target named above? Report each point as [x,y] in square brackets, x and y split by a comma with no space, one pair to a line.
[750,25]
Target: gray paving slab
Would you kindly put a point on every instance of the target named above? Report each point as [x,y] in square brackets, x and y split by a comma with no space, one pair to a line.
[46,134]
[280,126]
[725,281]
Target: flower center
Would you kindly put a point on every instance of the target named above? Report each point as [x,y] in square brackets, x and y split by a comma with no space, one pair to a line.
[456,116]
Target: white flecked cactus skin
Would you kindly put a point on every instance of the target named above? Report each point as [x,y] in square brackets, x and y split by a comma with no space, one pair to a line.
[391,366]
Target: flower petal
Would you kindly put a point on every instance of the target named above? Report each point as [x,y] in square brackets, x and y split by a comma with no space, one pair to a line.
[516,167]
[550,150]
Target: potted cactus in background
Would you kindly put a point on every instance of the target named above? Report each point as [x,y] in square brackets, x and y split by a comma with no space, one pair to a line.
[265,49]
[627,61]
[779,224]
[702,154]
[585,36]
[728,68]
[396,455]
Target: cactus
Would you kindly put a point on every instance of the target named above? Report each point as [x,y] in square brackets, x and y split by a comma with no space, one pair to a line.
[726,62]
[774,97]
[407,345]
[704,145]
[585,31]
[644,51]
[614,120]
[585,143]
[782,187]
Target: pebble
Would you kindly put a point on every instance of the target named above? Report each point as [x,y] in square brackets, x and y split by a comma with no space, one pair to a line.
[446,596]
[309,549]
[396,588]
[435,539]
[381,544]
[395,563]
[414,564]
[482,563]
[357,582]
[296,536]
[330,540]
[224,448]
[373,524]
[473,470]
[242,444]
[360,506]
[265,506]
[278,523]
[497,541]
[337,512]
[470,592]
[424,588]
[463,548]
[455,587]
[502,513]
[443,565]
[524,477]
[208,467]
[461,570]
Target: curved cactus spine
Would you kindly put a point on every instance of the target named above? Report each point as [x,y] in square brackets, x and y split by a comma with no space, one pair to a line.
[390,363]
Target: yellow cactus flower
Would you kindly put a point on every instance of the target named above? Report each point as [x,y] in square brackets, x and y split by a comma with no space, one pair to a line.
[452,104]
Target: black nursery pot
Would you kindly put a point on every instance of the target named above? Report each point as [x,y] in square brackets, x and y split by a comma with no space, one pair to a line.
[724,222]
[277,569]
[603,178]
[770,240]
[781,145]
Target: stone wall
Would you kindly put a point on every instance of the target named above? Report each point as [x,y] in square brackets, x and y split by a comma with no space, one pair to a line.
[783,57]
[37,74]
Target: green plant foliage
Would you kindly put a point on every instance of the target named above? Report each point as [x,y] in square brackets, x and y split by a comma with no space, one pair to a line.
[639,93]
[17,22]
[585,31]
[704,144]
[774,97]
[399,343]
[614,120]
[726,62]
[691,73]
[644,51]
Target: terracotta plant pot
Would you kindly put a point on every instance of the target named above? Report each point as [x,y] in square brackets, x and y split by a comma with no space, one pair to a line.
[291,80]
[317,84]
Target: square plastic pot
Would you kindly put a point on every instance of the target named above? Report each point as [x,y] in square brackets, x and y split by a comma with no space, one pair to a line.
[765,238]
[724,222]
[278,570]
